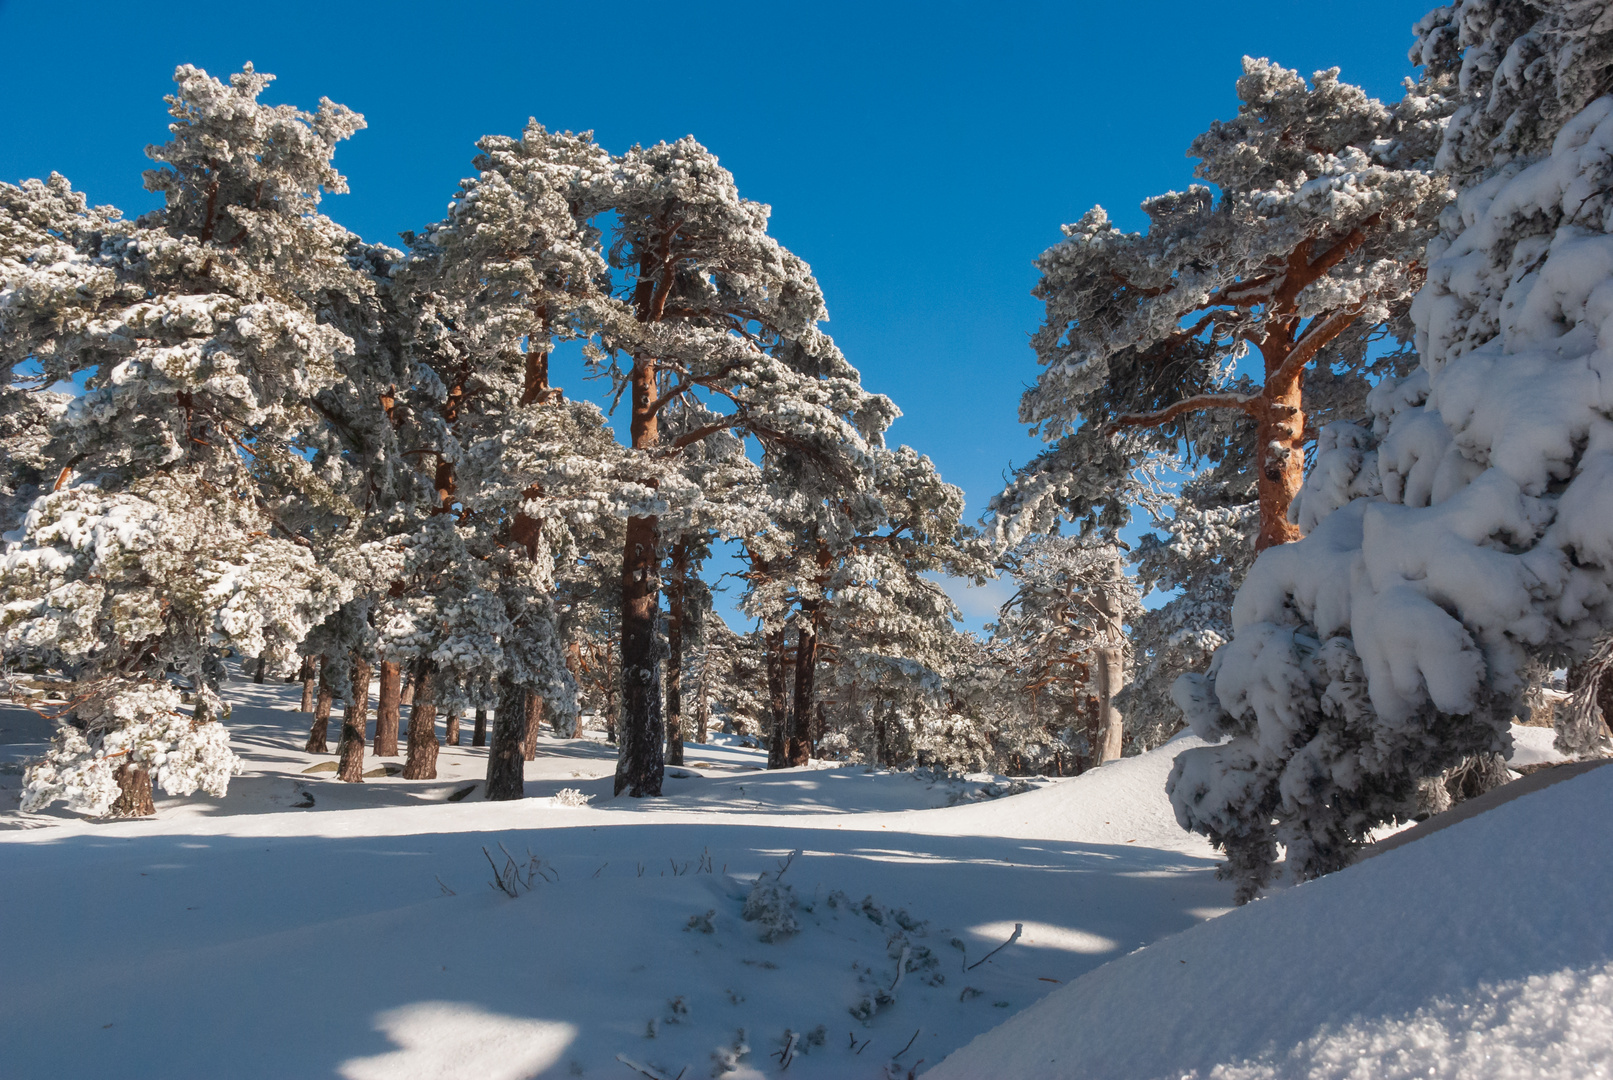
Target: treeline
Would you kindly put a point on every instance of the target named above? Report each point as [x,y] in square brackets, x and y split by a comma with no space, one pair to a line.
[340,460]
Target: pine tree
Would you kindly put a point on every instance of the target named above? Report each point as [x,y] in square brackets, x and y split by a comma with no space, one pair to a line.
[200,331]
[712,308]
[1463,541]
[1309,256]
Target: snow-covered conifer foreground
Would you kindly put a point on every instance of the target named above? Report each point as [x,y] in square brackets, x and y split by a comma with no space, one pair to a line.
[256,935]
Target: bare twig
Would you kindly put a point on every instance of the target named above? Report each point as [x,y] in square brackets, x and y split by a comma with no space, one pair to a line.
[901,967]
[645,1070]
[909,1045]
[1019,928]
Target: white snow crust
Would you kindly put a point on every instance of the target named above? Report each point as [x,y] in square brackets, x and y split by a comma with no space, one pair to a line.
[1482,951]
[255,935]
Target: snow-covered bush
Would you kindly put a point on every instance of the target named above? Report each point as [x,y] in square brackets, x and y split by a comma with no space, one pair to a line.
[1466,537]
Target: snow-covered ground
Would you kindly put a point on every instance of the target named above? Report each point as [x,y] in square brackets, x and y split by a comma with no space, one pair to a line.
[359,936]
[303,927]
[1484,950]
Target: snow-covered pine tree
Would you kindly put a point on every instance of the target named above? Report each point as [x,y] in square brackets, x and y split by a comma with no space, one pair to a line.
[1466,538]
[514,269]
[732,504]
[711,307]
[1201,550]
[200,333]
[1063,631]
[885,620]
[1309,255]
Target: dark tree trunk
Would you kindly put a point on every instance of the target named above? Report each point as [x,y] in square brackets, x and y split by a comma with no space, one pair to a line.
[386,710]
[777,722]
[504,765]
[534,722]
[479,733]
[263,664]
[798,751]
[451,729]
[675,594]
[881,738]
[134,791]
[703,707]
[306,674]
[640,760]
[422,762]
[317,734]
[355,719]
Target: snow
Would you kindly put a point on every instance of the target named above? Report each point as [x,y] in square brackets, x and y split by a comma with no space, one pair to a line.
[1482,950]
[254,935]
[289,939]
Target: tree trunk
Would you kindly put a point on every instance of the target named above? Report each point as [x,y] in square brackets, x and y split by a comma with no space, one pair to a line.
[317,734]
[773,648]
[676,591]
[534,722]
[263,664]
[451,728]
[1110,664]
[1279,445]
[134,791]
[640,761]
[798,751]
[406,691]
[355,719]
[702,711]
[306,674]
[386,709]
[505,768]
[422,762]
[479,733]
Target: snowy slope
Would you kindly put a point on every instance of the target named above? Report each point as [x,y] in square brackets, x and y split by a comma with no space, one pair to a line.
[359,937]
[1483,950]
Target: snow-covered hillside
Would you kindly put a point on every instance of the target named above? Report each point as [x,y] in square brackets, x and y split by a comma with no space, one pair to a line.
[1484,950]
[259,935]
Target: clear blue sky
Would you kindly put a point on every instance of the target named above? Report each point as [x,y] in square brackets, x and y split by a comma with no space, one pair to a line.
[919,156]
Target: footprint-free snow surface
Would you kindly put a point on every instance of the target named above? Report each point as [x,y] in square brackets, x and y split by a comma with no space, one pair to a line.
[1484,950]
[301,927]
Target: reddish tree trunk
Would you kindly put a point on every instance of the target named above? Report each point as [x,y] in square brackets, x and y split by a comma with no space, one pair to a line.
[422,762]
[355,719]
[306,674]
[386,710]
[451,729]
[534,721]
[317,733]
[675,594]
[504,764]
[134,791]
[479,734]
[1279,453]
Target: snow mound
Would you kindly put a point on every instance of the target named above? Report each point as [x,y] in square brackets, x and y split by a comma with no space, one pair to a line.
[1122,802]
[1485,950]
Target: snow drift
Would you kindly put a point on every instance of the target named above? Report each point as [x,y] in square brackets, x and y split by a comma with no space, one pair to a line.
[1485,950]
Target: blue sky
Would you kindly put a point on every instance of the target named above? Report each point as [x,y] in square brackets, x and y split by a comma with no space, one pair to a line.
[918,156]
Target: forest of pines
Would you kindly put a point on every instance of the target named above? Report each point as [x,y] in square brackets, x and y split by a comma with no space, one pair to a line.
[1328,465]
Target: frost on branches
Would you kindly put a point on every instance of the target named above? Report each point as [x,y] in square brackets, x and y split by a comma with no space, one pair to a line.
[1467,536]
[1305,260]
[198,331]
